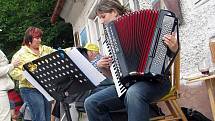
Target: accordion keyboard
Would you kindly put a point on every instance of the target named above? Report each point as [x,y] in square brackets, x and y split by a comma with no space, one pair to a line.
[157,64]
[116,79]
[115,67]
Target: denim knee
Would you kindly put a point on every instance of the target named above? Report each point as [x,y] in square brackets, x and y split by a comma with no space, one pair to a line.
[134,93]
[89,103]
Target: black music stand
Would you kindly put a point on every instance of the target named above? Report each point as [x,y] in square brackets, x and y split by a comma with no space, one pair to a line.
[60,77]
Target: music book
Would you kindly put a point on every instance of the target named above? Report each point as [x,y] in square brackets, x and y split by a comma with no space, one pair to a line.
[62,72]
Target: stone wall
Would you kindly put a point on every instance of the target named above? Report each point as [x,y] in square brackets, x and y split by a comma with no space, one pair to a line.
[197,27]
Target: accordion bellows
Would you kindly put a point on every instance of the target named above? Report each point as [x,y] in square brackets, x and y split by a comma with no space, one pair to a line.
[136,31]
[135,42]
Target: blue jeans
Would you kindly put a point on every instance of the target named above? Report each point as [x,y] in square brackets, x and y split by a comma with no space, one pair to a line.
[39,107]
[136,101]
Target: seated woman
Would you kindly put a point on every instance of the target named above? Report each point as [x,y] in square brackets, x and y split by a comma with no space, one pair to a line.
[138,97]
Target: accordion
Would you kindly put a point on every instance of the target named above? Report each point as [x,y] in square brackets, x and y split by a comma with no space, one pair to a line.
[135,43]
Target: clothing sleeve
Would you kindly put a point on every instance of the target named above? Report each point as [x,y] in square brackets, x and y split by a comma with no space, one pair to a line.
[5,69]
[48,49]
[4,66]
[16,73]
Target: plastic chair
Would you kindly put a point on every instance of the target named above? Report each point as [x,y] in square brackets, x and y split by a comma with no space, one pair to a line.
[171,98]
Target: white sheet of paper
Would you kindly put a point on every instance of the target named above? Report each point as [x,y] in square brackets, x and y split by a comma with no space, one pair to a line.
[86,67]
[37,86]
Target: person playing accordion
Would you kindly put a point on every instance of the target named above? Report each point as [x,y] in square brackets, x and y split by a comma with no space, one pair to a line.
[138,96]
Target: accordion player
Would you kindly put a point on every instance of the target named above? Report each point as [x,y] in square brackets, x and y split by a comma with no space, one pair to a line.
[136,46]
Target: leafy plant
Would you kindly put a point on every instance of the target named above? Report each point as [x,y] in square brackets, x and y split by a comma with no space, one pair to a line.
[17,15]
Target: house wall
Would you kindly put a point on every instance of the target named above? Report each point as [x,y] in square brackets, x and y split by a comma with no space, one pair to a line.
[77,13]
[198,25]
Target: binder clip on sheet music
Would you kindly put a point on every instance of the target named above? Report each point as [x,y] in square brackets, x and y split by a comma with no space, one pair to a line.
[59,72]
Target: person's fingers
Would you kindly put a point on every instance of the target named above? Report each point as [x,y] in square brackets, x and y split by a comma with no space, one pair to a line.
[171,42]
[173,34]
[104,62]
[167,36]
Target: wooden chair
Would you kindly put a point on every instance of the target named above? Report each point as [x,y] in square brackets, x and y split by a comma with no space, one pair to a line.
[171,98]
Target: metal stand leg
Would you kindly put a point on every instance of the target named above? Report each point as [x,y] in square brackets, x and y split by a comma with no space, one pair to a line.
[66,109]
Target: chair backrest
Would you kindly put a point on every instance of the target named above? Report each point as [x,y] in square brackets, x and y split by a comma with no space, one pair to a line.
[171,98]
[175,73]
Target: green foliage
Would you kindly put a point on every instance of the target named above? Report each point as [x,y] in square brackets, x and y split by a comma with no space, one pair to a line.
[64,36]
[17,15]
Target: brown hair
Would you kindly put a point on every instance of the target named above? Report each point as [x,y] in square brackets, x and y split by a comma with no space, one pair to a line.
[30,33]
[107,6]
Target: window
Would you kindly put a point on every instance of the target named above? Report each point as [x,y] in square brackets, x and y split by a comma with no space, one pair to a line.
[136,4]
[100,34]
[83,37]
[126,3]
[96,20]
[94,30]
[145,4]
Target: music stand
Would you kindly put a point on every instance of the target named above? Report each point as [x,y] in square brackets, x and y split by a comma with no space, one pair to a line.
[59,76]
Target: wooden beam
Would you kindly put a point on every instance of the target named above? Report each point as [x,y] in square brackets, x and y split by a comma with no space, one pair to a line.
[57,10]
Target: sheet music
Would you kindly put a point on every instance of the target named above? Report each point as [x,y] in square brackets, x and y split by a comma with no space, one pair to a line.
[86,67]
[37,85]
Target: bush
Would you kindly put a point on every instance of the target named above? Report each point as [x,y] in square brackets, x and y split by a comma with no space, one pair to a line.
[17,15]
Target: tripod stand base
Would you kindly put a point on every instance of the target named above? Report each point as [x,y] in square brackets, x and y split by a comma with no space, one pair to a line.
[66,109]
